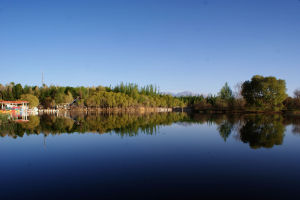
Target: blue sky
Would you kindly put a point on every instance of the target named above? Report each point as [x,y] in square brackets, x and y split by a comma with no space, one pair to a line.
[176,44]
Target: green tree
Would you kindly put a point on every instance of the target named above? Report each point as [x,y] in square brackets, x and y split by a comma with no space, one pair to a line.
[2,91]
[61,97]
[68,97]
[48,102]
[33,100]
[27,90]
[226,92]
[122,96]
[9,95]
[17,91]
[264,92]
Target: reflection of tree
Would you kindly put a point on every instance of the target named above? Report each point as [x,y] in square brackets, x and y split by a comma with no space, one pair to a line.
[262,131]
[296,129]
[14,130]
[3,118]
[257,130]
[34,121]
[295,120]
[225,129]
[122,124]
[216,118]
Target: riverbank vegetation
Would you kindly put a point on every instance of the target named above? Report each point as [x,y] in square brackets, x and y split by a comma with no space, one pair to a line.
[260,94]
[120,96]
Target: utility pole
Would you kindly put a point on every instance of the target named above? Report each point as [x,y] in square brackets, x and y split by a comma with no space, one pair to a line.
[43,79]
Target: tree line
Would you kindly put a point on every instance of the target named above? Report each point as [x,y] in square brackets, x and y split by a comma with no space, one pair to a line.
[121,96]
[258,94]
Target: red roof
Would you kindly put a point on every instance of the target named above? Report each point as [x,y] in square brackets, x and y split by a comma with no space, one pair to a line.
[18,102]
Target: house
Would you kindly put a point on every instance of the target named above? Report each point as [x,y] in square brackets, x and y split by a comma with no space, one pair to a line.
[14,105]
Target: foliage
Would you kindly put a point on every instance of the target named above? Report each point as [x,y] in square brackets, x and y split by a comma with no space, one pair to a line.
[191,100]
[48,102]
[132,89]
[33,100]
[226,92]
[104,99]
[260,93]
[17,91]
[292,103]
[61,97]
[121,96]
[264,92]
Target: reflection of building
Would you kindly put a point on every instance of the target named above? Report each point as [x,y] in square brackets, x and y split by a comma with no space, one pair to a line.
[19,118]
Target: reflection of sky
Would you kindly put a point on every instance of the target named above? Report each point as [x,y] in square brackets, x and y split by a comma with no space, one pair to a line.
[179,156]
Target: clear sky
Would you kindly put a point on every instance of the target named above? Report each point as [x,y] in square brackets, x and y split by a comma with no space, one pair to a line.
[176,44]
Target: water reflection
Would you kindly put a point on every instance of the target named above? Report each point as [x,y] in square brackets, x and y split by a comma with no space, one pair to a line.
[263,131]
[122,124]
[258,131]
[296,129]
[296,124]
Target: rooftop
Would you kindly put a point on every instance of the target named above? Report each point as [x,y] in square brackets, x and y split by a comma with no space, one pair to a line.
[15,102]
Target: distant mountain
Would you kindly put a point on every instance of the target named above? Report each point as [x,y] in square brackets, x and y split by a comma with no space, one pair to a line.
[185,93]
[181,94]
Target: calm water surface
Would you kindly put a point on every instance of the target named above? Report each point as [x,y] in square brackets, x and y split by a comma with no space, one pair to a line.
[151,156]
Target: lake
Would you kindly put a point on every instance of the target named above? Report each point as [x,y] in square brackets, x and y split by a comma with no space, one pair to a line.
[150,156]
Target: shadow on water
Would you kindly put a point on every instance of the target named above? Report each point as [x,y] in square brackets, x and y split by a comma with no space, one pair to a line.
[259,131]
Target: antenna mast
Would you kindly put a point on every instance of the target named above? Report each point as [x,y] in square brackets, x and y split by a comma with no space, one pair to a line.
[43,79]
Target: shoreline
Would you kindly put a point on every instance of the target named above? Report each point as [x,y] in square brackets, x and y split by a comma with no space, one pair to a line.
[163,109]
